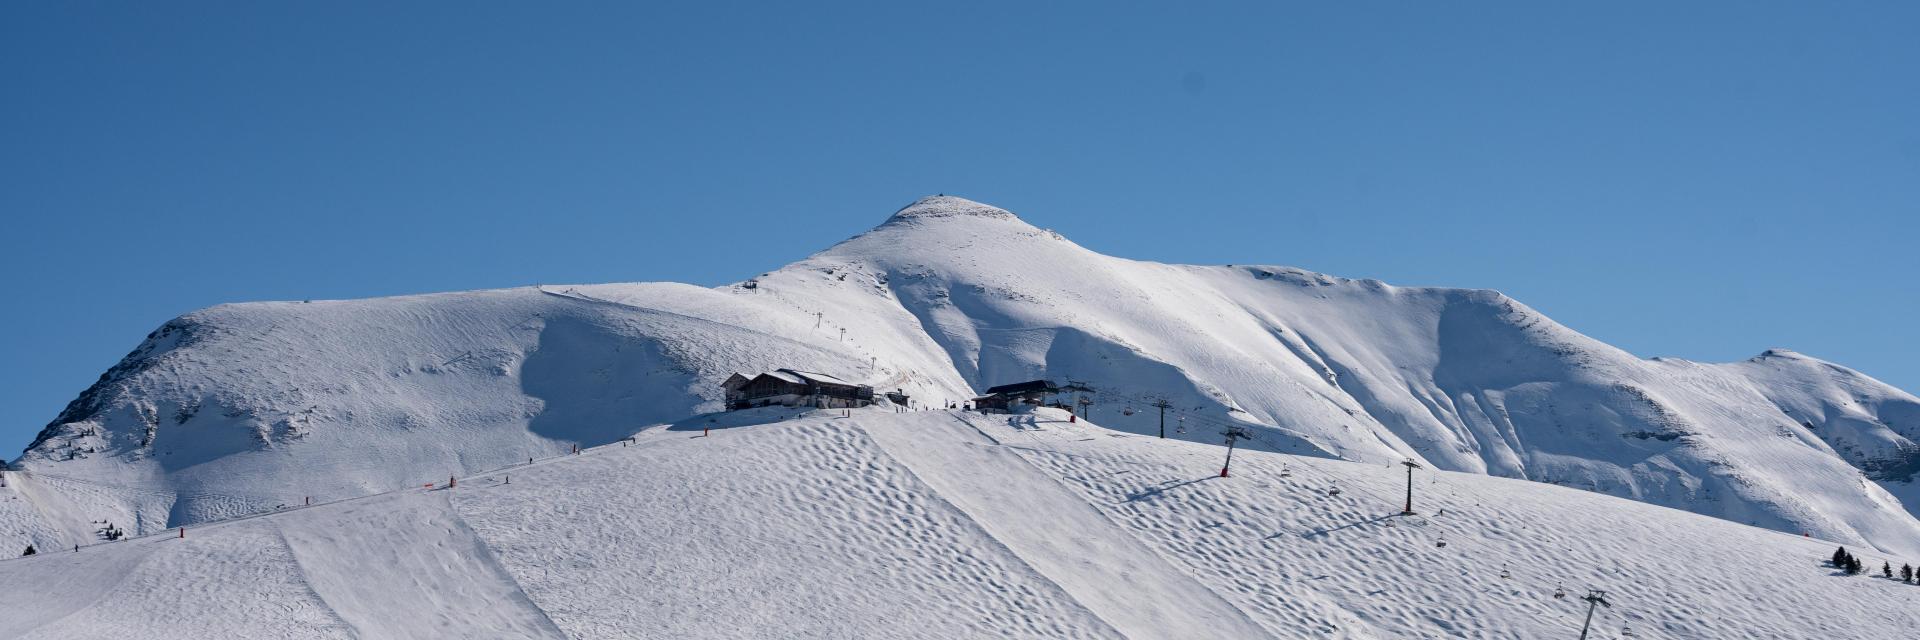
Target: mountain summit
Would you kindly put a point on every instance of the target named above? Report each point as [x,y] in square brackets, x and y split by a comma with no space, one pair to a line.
[946,206]
[238,408]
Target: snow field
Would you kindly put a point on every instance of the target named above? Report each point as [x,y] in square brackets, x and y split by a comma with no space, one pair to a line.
[1264,541]
[793,529]
[953,525]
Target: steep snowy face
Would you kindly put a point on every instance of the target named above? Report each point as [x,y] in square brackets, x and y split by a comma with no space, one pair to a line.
[238,407]
[1866,422]
[1467,380]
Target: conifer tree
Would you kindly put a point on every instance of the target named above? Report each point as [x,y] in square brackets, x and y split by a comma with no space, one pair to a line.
[1840,557]
[30,551]
[1906,572]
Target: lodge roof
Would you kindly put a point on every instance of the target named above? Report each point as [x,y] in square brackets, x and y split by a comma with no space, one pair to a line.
[819,378]
[1023,387]
[784,375]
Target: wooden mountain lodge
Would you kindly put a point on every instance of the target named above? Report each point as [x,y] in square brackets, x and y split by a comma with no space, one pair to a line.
[793,388]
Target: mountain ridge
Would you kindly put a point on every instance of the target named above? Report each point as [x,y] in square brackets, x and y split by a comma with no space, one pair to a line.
[949,296]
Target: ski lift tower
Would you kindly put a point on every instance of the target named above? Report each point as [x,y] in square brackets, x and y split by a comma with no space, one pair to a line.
[1411,465]
[1593,597]
[1162,405]
[1080,391]
[1232,433]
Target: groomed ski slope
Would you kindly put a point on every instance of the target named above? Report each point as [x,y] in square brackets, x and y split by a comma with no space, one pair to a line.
[952,525]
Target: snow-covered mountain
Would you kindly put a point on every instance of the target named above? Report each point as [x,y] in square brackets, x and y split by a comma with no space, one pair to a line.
[939,524]
[239,408]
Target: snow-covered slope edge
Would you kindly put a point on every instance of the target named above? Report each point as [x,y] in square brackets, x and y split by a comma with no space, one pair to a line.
[242,407]
[945,525]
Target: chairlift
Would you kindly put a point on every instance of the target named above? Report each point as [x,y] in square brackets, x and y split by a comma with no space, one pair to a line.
[1441,544]
[1559,593]
[1286,471]
[1334,491]
[1505,573]
[1127,411]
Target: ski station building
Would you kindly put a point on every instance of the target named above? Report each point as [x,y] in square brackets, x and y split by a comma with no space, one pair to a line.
[794,388]
[1002,398]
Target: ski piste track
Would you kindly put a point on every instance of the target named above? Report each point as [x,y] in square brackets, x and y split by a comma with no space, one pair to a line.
[963,417]
[1022,525]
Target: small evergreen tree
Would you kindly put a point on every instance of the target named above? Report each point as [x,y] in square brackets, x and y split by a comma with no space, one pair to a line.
[30,551]
[1840,557]
[1853,566]
[1886,569]
[1906,573]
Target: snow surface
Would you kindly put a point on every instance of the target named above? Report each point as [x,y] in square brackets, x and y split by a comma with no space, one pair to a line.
[240,408]
[946,524]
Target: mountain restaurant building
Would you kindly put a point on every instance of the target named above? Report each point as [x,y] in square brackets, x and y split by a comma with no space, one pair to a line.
[794,388]
[1004,397]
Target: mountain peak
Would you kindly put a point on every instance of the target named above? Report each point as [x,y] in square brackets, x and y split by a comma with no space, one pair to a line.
[946,206]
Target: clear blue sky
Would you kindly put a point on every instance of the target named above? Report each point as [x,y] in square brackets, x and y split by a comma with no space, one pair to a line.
[1690,179]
